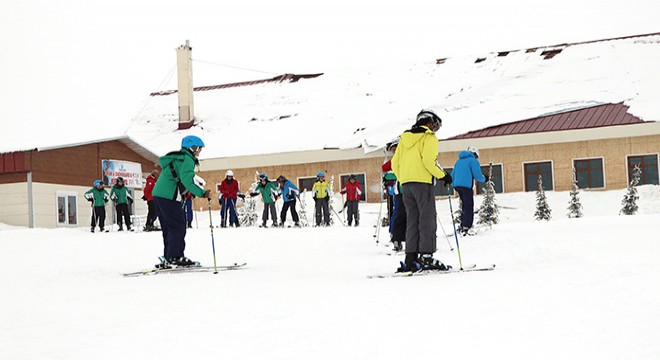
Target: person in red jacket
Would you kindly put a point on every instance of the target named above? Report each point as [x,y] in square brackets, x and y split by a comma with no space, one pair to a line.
[228,193]
[353,191]
[149,198]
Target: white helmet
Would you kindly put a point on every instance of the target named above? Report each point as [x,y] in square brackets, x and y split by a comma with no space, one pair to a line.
[474,150]
[229,173]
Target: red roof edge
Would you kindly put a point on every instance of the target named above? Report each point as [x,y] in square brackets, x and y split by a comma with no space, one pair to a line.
[606,115]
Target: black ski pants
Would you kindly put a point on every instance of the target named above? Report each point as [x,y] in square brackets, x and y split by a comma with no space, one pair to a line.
[399,221]
[322,205]
[98,215]
[123,214]
[352,207]
[173,224]
[467,207]
[289,205]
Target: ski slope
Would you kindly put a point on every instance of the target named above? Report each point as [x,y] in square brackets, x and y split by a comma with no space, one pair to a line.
[564,289]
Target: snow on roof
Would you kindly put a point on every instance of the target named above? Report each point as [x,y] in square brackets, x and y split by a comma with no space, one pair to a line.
[369,106]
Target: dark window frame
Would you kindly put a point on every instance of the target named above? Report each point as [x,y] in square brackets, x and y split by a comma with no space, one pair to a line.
[528,170]
[589,170]
[645,165]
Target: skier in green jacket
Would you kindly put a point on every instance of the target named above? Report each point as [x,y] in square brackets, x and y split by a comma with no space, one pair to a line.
[176,180]
[122,198]
[269,193]
[98,196]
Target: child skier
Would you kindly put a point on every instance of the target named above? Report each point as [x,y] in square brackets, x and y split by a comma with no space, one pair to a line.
[353,191]
[228,194]
[98,196]
[466,170]
[289,193]
[175,181]
[122,198]
[321,192]
[269,193]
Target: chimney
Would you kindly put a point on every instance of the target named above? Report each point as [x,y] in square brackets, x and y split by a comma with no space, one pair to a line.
[185,86]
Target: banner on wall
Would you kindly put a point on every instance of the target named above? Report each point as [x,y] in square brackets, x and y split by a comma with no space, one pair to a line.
[130,171]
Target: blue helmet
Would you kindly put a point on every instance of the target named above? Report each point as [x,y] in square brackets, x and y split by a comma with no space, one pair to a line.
[98,183]
[321,173]
[263,176]
[190,141]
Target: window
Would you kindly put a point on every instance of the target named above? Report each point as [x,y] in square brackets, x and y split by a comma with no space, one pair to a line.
[589,173]
[440,189]
[532,172]
[306,183]
[360,178]
[649,166]
[497,179]
[67,209]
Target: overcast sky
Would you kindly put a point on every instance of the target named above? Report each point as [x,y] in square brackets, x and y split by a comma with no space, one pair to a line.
[91,64]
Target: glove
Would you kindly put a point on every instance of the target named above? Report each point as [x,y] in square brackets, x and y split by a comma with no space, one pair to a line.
[144,197]
[290,196]
[447,180]
[207,194]
[241,196]
[487,178]
[90,200]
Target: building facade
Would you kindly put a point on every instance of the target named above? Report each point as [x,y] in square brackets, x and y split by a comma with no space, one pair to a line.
[44,187]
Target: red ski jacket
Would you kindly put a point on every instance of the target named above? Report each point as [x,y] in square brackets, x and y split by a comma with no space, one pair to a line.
[229,189]
[353,191]
[149,187]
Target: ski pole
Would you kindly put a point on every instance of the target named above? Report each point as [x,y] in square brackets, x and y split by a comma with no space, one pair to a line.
[444,232]
[215,267]
[458,248]
[378,222]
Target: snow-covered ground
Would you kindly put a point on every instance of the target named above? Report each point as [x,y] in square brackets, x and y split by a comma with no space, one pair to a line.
[565,289]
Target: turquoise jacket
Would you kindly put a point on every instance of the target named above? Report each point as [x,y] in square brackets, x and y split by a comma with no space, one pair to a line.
[177,176]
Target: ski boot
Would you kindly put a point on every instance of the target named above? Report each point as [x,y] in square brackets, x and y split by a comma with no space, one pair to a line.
[410,264]
[182,262]
[427,262]
[357,223]
[297,224]
[164,264]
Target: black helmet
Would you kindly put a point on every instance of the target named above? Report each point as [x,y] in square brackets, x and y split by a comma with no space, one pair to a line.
[427,115]
[119,178]
[352,177]
[281,178]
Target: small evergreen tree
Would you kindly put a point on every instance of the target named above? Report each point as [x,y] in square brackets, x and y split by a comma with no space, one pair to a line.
[629,201]
[489,211]
[574,205]
[543,211]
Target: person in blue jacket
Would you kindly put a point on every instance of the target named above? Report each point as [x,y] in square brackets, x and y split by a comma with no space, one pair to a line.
[289,193]
[466,170]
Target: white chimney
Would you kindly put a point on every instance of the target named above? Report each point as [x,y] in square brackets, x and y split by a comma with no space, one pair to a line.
[185,83]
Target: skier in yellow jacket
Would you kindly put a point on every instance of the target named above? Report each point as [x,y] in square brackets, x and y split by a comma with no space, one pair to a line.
[415,166]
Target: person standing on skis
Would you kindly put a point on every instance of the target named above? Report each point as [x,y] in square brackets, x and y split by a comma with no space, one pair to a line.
[269,193]
[467,169]
[321,193]
[122,198]
[415,166]
[229,192]
[353,191]
[398,220]
[149,198]
[98,196]
[174,183]
[289,193]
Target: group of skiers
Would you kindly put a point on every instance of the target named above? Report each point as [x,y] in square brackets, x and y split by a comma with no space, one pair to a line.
[271,191]
[98,196]
[413,172]
[409,180]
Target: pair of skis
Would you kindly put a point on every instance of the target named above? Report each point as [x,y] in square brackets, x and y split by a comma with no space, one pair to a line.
[468,268]
[185,269]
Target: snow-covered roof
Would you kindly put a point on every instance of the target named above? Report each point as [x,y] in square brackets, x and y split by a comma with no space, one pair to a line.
[367,107]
